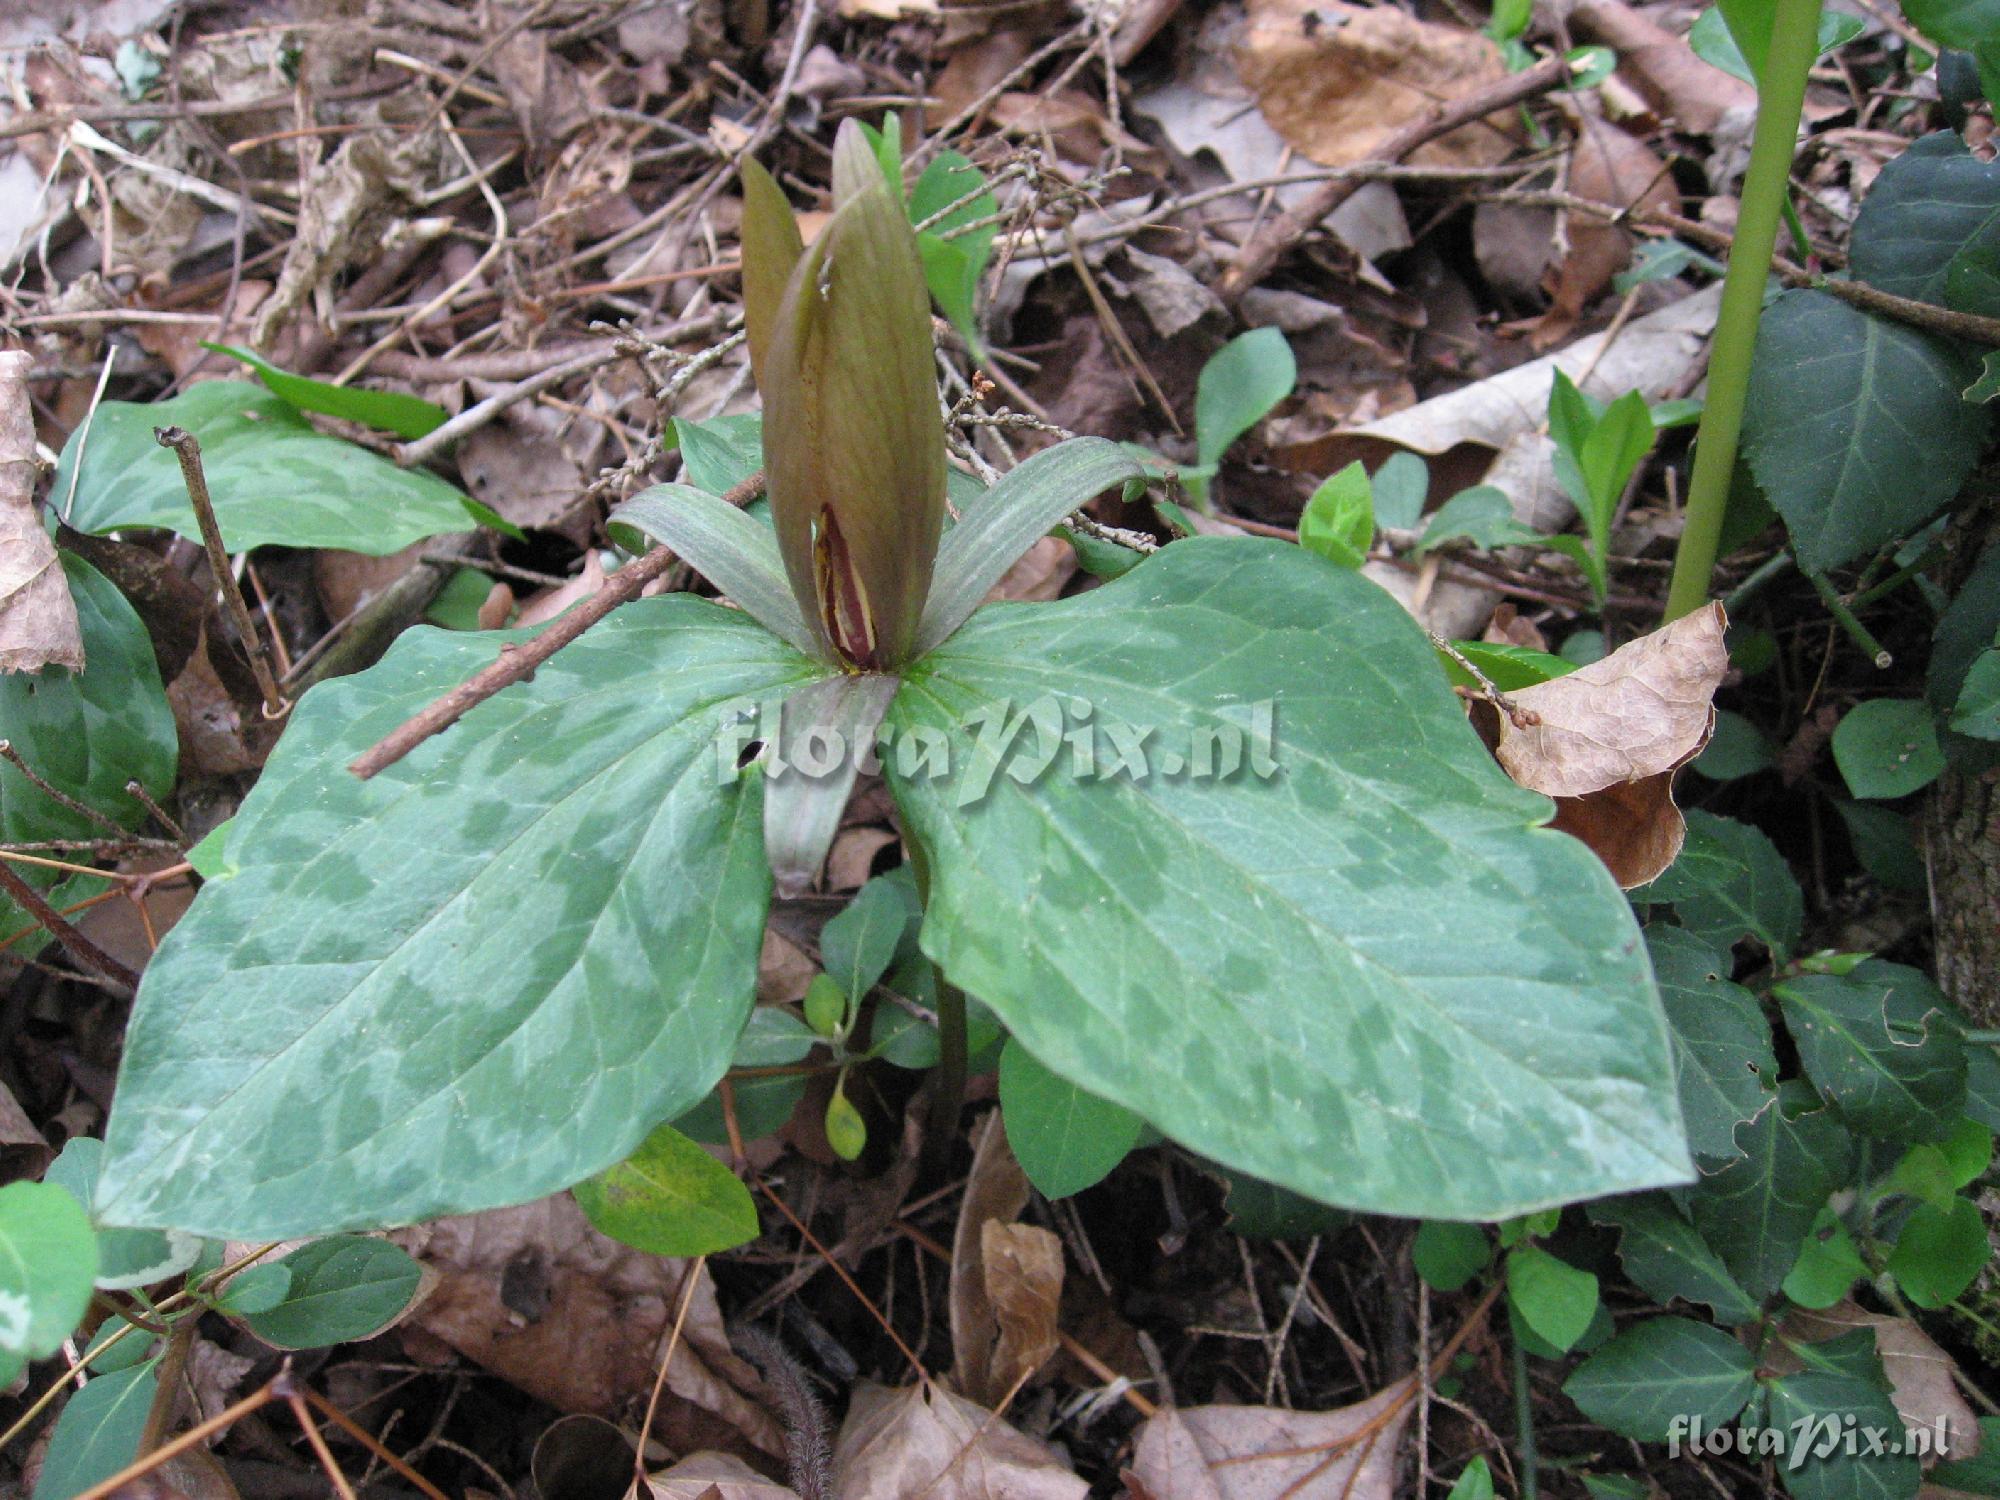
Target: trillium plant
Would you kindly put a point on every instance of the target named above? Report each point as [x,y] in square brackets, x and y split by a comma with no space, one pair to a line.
[1212,844]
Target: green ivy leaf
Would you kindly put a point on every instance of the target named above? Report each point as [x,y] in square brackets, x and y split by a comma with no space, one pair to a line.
[1970,25]
[1237,389]
[1553,1297]
[1713,40]
[48,1264]
[670,1197]
[1756,1212]
[1885,844]
[1722,1043]
[1729,882]
[1926,209]
[1339,520]
[98,1432]
[338,1290]
[529,942]
[1362,971]
[405,415]
[1887,747]
[274,478]
[1939,1252]
[1855,427]
[1821,1401]
[1666,1257]
[1663,1372]
[1064,1138]
[1738,748]
[1259,1210]
[1448,1255]
[1881,1046]
[86,734]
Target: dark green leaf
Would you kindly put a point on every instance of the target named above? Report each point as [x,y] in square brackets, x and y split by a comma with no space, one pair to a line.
[670,1197]
[1355,966]
[399,412]
[1259,1210]
[1656,1378]
[1756,1212]
[1880,1046]
[1855,427]
[1966,629]
[340,1289]
[1977,712]
[274,478]
[1939,1251]
[773,1038]
[1926,209]
[530,940]
[1738,748]
[48,1262]
[1448,1255]
[1979,1475]
[1730,881]
[98,1432]
[1064,1138]
[1553,1297]
[1885,844]
[1666,1257]
[1722,1043]
[1982,1085]
[1887,747]
[1824,1404]
[256,1289]
[86,734]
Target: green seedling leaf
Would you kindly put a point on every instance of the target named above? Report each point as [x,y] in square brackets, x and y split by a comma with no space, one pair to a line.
[48,1264]
[1064,1138]
[1730,881]
[275,479]
[1481,515]
[98,1432]
[1237,947]
[1827,1267]
[405,415]
[1400,487]
[1597,450]
[846,1131]
[773,1038]
[1508,668]
[719,454]
[1888,747]
[858,945]
[1339,520]
[459,602]
[1939,1252]
[257,1289]
[1554,1298]
[1237,389]
[87,734]
[341,1289]
[1977,712]
[1885,844]
[1820,1401]
[1662,260]
[670,1197]
[1665,1256]
[126,1258]
[1667,415]
[1855,428]
[1662,1372]
[826,1005]
[1881,1046]
[1475,1482]
[1509,20]
[1929,209]
[1756,1211]
[1722,1042]
[505,1048]
[1736,749]
[1448,1255]
[1715,44]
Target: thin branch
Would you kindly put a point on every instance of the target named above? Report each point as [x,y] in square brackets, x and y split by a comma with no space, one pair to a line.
[74,943]
[102,820]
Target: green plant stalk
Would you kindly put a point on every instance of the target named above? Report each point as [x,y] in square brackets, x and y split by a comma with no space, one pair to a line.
[1856,631]
[1794,43]
[1524,1424]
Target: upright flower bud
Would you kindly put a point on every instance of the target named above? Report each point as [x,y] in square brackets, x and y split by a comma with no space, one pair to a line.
[854,457]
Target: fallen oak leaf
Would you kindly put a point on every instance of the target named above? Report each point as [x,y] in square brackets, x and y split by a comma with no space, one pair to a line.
[1607,740]
[38,625]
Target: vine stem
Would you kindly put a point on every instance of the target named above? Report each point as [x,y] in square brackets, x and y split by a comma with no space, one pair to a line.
[1524,1411]
[1781,99]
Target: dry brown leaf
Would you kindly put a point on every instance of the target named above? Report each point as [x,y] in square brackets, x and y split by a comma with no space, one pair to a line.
[1023,1268]
[544,1301]
[1606,739]
[1697,97]
[1261,1453]
[1607,166]
[1336,80]
[996,1191]
[24,1150]
[37,616]
[715,1476]
[1920,1373]
[1039,573]
[540,608]
[922,1440]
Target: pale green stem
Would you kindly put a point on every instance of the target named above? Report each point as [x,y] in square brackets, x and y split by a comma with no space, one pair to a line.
[1794,44]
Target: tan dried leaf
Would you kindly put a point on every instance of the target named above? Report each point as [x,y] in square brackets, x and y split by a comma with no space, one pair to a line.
[1336,80]
[995,1192]
[1261,1453]
[715,1476]
[37,616]
[922,1440]
[1606,740]
[1920,1373]
[1023,1267]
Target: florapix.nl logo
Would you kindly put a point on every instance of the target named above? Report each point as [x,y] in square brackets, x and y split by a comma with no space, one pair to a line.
[1052,735]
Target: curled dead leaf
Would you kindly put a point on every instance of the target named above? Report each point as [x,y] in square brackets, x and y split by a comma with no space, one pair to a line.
[1023,1267]
[1606,740]
[1261,1452]
[996,1191]
[37,616]
[923,1440]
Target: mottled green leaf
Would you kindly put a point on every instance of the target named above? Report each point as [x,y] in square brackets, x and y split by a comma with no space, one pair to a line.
[1665,1370]
[482,975]
[274,478]
[1064,1138]
[1756,1212]
[670,1197]
[1855,427]
[48,1262]
[1880,1045]
[1729,882]
[337,1290]
[1666,1257]
[1356,967]
[125,1257]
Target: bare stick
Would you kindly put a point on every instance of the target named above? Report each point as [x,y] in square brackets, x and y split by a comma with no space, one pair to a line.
[102,820]
[74,943]
[135,790]
[518,663]
[188,450]
[1269,244]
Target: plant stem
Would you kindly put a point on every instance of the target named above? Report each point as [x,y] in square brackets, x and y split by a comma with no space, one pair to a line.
[1524,1421]
[1844,618]
[1774,566]
[1930,558]
[1982,1038]
[950,1097]
[1794,42]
